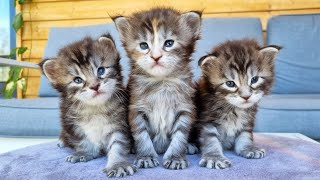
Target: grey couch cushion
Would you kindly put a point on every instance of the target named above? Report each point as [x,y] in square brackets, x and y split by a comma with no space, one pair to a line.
[295,113]
[298,63]
[29,117]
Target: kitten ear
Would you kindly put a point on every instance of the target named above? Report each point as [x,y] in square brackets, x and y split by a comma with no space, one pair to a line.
[270,52]
[107,41]
[122,25]
[49,68]
[192,20]
[206,60]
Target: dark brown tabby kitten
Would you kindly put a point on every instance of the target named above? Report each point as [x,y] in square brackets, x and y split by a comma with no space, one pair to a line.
[93,103]
[236,75]
[159,43]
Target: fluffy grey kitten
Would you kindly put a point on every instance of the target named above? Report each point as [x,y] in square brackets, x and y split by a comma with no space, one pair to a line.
[236,75]
[159,43]
[93,103]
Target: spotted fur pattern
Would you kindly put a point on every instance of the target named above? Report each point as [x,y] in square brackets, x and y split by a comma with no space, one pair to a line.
[93,103]
[159,43]
[235,77]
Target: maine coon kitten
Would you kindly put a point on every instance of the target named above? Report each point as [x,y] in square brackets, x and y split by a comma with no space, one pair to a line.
[236,75]
[93,103]
[159,43]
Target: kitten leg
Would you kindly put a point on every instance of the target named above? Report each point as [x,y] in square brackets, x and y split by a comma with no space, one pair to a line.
[118,149]
[192,149]
[245,148]
[146,154]
[175,156]
[85,151]
[211,150]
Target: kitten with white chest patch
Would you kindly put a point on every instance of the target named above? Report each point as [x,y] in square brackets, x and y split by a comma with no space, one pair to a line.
[236,75]
[93,103]
[159,43]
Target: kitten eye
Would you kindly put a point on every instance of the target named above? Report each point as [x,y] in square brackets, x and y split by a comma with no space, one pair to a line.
[144,46]
[78,80]
[168,43]
[254,79]
[230,84]
[101,71]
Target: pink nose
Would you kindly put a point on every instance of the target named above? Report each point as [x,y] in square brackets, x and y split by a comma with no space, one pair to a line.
[156,58]
[245,97]
[95,87]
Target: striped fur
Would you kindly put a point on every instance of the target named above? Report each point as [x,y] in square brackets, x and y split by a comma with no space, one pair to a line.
[161,109]
[94,112]
[227,114]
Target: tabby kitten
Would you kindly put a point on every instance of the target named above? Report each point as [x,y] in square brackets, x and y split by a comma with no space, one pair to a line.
[236,75]
[93,103]
[159,43]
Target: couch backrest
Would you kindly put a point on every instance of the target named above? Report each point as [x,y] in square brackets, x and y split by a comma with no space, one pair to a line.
[214,31]
[298,63]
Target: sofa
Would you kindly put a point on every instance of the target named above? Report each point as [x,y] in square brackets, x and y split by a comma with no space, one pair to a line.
[293,105]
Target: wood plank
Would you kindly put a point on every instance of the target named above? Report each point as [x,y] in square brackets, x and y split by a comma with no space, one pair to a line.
[35,49]
[33,86]
[293,4]
[102,9]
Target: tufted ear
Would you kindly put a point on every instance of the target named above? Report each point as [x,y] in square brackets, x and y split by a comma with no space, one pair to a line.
[107,41]
[207,60]
[122,25]
[192,22]
[270,52]
[50,69]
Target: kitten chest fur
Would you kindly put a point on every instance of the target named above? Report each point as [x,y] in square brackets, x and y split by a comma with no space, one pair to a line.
[161,106]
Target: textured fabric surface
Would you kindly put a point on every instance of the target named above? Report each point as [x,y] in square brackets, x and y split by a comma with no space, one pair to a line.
[298,63]
[29,117]
[286,159]
[214,31]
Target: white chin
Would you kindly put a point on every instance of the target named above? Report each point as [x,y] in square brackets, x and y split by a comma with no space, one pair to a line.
[245,105]
[97,100]
[158,70]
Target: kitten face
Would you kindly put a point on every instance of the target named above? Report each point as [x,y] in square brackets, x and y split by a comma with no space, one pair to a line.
[87,71]
[159,40]
[240,71]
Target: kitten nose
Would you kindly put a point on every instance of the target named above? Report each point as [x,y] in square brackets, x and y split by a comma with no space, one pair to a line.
[156,58]
[245,97]
[95,87]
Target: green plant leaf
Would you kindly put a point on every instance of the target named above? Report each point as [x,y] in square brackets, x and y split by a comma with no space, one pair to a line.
[22,1]
[21,50]
[11,84]
[12,53]
[21,83]
[14,3]
[17,22]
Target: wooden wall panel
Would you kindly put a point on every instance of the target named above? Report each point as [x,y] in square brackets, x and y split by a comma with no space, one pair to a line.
[40,15]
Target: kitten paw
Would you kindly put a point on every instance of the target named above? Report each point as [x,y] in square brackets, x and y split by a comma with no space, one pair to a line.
[253,153]
[192,149]
[146,162]
[215,162]
[175,163]
[60,144]
[78,158]
[120,170]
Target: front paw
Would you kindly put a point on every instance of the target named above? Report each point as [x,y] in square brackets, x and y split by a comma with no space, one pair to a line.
[253,153]
[78,158]
[215,162]
[175,163]
[120,170]
[192,149]
[146,162]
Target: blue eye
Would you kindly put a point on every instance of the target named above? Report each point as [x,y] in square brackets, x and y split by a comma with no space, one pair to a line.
[101,71]
[230,84]
[78,80]
[144,46]
[168,43]
[254,79]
